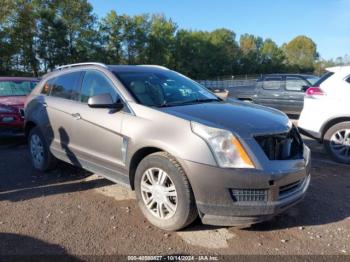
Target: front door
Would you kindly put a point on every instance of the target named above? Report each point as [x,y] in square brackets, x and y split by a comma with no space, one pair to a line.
[98,140]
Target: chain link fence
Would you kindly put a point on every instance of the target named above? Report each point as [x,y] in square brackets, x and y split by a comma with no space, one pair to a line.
[229,82]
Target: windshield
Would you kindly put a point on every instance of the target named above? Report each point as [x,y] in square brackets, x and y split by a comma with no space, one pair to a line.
[323,78]
[164,88]
[312,79]
[16,88]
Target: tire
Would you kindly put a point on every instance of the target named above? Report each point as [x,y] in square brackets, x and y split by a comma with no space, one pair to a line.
[185,211]
[42,158]
[332,141]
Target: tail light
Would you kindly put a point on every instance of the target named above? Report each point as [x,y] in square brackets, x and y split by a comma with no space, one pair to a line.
[314,91]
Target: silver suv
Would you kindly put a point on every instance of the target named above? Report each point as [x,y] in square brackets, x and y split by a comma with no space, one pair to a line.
[182,149]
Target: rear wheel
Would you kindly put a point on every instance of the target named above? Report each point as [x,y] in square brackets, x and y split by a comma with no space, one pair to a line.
[164,193]
[337,142]
[41,156]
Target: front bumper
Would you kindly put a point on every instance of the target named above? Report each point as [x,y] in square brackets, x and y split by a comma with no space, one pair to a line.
[280,187]
[11,124]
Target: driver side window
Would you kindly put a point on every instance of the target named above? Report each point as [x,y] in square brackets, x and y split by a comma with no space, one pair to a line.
[95,83]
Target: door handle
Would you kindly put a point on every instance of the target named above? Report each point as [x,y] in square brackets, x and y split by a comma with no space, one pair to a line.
[76,116]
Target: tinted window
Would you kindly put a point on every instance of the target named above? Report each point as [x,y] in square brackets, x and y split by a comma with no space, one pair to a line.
[272,83]
[64,86]
[295,83]
[348,80]
[16,88]
[323,78]
[95,83]
[163,88]
[312,79]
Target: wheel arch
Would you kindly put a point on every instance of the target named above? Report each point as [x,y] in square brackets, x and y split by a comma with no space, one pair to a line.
[136,158]
[331,123]
[29,126]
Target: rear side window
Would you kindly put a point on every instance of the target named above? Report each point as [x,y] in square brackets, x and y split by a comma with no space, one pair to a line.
[64,86]
[295,83]
[96,83]
[272,83]
[323,78]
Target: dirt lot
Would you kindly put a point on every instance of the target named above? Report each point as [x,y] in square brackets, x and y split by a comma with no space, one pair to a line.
[71,211]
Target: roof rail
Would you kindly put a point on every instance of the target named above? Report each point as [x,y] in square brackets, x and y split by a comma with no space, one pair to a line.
[79,64]
[156,66]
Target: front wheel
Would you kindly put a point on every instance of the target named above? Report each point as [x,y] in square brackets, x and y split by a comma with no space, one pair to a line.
[164,193]
[41,156]
[337,142]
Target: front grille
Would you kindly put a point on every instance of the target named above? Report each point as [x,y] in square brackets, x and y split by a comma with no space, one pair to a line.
[282,146]
[287,190]
[249,195]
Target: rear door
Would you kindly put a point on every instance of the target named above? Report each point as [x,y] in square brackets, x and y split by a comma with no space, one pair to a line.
[293,100]
[58,105]
[270,91]
[98,139]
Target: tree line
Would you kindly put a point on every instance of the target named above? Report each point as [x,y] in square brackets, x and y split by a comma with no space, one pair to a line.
[38,35]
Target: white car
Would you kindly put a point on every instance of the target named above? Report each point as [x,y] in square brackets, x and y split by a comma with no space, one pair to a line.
[326,112]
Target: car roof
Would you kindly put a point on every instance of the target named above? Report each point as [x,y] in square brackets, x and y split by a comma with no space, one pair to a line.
[14,78]
[287,74]
[112,68]
[136,68]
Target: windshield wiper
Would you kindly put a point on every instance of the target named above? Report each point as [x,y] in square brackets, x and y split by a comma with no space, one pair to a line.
[179,103]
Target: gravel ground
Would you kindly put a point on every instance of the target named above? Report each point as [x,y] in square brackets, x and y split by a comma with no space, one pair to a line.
[73,212]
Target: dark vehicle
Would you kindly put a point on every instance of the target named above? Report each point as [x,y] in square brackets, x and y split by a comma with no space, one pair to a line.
[13,92]
[183,150]
[284,92]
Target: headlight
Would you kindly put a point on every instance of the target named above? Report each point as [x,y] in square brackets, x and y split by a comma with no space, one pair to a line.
[5,110]
[226,148]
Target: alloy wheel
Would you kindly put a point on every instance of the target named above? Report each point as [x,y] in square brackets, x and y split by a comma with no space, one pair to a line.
[340,143]
[159,193]
[37,149]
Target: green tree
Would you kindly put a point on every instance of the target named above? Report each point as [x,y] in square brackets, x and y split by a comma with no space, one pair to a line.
[192,53]
[224,52]
[111,37]
[135,34]
[53,45]
[301,53]
[272,57]
[161,40]
[79,21]
[250,58]
[23,34]
[7,50]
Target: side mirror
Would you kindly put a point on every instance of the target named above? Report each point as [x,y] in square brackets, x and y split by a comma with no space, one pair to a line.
[104,101]
[304,88]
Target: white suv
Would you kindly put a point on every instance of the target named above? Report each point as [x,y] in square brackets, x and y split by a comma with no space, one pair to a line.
[326,112]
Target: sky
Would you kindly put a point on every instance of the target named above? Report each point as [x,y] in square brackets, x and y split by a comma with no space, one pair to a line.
[327,22]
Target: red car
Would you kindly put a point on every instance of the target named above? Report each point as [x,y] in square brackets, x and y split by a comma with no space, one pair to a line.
[13,92]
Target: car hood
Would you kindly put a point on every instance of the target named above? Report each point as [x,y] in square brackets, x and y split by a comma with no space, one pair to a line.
[241,118]
[14,101]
